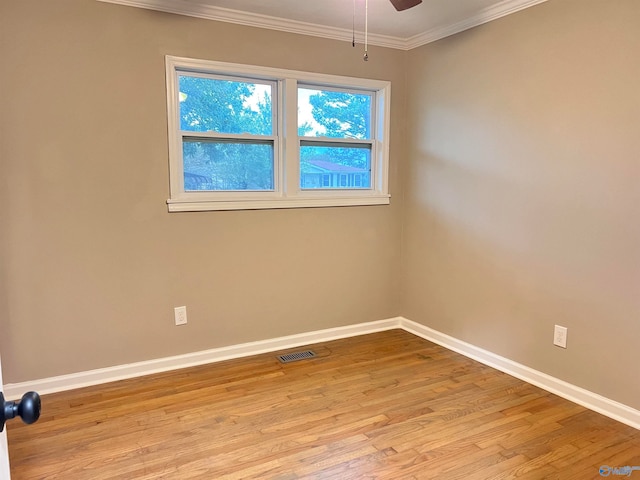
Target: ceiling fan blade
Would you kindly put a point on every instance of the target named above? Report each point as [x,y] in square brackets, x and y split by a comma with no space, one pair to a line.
[405,4]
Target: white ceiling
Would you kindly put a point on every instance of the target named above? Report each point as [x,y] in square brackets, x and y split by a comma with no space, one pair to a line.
[429,21]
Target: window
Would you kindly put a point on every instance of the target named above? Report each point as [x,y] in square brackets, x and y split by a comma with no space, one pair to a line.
[245,137]
[227,132]
[334,126]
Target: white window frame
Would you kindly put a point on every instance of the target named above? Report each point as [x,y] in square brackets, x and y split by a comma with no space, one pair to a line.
[287,192]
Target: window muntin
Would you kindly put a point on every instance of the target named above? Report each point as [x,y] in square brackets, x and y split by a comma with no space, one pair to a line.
[252,153]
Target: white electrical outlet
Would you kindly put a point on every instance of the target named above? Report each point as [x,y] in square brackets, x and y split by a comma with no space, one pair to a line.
[180,315]
[560,336]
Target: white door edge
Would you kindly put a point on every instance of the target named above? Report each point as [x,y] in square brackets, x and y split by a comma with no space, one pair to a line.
[5,472]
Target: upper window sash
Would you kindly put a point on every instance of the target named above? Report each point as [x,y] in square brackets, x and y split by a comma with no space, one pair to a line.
[189,84]
[356,118]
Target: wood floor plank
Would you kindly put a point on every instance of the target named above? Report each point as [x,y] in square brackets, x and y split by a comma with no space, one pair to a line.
[388,405]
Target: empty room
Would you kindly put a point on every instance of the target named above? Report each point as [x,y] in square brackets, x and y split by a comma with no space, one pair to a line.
[363,239]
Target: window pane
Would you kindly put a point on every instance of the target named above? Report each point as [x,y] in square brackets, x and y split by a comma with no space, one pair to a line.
[335,167]
[327,113]
[227,166]
[224,106]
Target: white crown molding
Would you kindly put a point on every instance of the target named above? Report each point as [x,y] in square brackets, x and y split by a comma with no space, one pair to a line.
[498,10]
[209,12]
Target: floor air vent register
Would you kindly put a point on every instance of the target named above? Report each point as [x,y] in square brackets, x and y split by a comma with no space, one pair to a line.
[294,357]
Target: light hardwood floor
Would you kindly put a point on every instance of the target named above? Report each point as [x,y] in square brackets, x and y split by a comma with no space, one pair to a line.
[388,405]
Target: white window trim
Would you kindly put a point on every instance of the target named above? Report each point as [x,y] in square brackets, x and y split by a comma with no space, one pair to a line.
[287,193]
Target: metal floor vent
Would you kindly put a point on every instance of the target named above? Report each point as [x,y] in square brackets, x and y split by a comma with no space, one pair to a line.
[294,357]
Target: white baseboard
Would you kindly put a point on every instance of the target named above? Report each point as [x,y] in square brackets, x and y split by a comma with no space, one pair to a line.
[138,369]
[587,399]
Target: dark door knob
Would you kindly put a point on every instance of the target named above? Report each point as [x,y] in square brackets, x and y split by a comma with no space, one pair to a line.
[28,408]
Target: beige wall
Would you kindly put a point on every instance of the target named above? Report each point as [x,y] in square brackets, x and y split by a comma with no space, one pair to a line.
[92,263]
[519,172]
[522,190]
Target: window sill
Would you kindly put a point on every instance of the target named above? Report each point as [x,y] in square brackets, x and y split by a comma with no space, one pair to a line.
[299,202]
